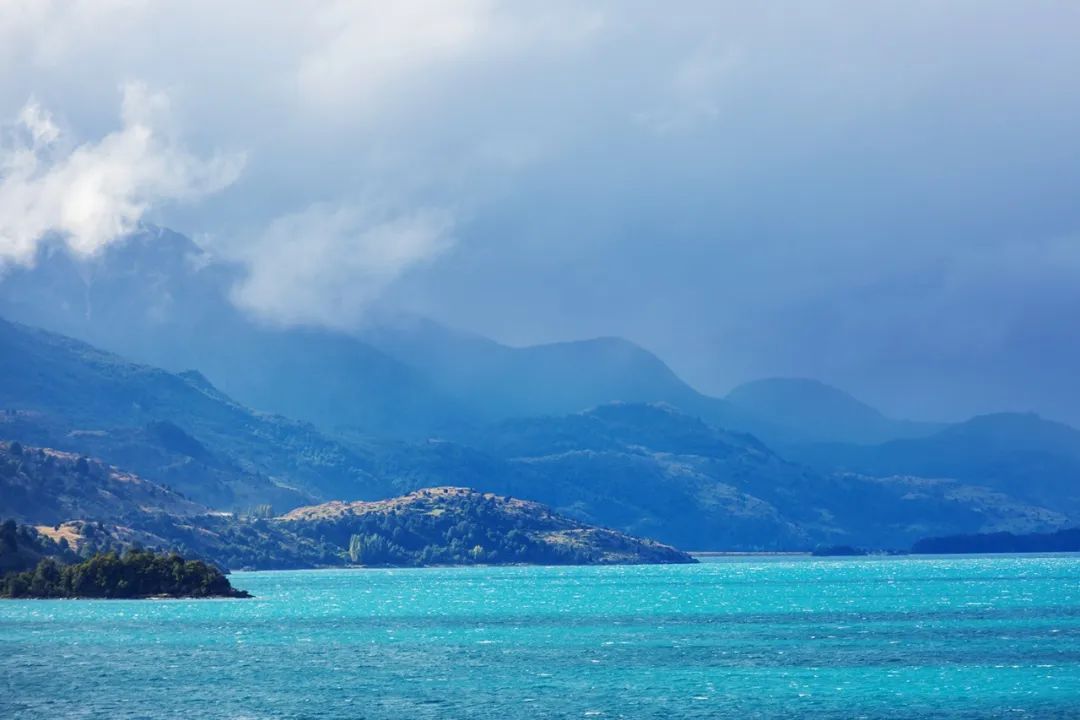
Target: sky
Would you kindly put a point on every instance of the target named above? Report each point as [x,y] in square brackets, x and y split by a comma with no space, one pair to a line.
[884,196]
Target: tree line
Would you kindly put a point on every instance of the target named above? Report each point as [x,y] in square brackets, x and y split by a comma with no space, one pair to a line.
[135,574]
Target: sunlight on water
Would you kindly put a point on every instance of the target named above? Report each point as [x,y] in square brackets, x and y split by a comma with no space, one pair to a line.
[877,638]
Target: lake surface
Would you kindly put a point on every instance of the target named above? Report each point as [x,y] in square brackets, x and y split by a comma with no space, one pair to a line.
[746,638]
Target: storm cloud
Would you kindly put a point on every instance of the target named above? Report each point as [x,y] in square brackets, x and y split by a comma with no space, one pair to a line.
[882,196]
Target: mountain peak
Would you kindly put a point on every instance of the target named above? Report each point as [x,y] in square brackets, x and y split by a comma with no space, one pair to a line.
[796,395]
[815,411]
[1019,430]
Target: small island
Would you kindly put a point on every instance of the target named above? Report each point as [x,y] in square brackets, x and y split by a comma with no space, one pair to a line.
[135,574]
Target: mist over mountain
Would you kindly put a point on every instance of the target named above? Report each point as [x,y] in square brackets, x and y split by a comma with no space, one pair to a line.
[804,410]
[1021,454]
[643,468]
[662,463]
[160,299]
[497,381]
[436,305]
[673,199]
[602,430]
[174,429]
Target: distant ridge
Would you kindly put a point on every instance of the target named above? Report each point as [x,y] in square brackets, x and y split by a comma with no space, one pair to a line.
[1021,454]
[160,299]
[811,411]
[645,468]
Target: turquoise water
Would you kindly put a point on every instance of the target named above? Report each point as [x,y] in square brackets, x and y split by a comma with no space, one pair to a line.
[847,638]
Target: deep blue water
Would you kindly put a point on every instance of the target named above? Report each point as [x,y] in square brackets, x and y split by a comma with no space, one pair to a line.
[847,638]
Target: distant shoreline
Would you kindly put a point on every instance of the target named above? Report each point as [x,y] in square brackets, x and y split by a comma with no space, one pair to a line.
[747,553]
[881,555]
[719,554]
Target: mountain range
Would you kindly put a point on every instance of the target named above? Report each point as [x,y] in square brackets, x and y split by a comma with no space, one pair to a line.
[191,395]
[159,299]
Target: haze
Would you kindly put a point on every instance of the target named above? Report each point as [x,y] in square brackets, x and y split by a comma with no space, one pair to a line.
[880,196]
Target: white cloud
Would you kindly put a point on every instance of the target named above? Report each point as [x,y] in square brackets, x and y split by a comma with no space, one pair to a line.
[613,166]
[94,193]
[39,123]
[367,49]
[326,265]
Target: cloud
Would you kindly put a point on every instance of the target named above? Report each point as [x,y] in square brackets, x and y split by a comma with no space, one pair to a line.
[749,190]
[369,49]
[39,123]
[96,192]
[325,265]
